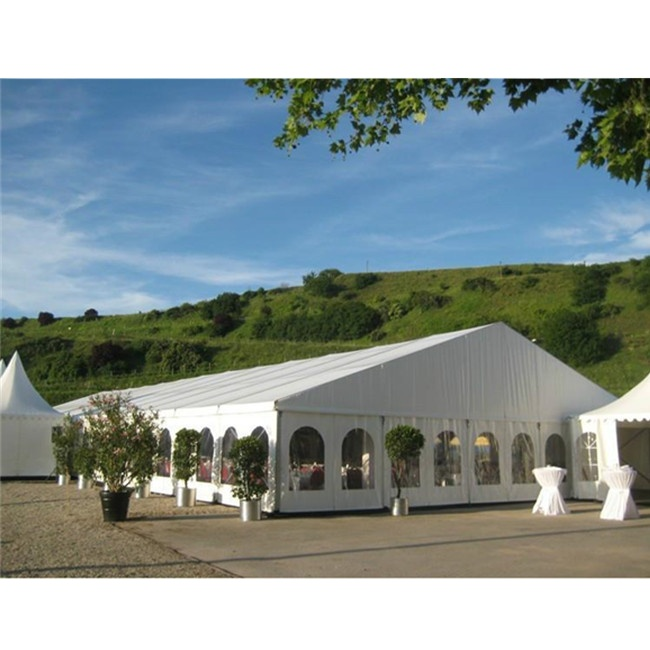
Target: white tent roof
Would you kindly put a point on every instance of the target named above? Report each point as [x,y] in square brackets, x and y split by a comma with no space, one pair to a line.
[18,396]
[631,407]
[2,366]
[459,374]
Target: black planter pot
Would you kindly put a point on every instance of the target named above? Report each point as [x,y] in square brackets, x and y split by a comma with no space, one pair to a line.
[115,505]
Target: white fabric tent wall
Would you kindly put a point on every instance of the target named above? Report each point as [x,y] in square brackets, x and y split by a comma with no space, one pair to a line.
[26,422]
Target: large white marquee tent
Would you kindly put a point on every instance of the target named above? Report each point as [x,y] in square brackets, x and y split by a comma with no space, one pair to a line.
[619,433]
[491,404]
[26,422]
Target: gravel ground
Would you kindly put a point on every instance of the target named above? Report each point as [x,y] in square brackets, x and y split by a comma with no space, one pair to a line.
[52,531]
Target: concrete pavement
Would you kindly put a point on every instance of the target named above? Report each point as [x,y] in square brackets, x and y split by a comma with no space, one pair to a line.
[486,541]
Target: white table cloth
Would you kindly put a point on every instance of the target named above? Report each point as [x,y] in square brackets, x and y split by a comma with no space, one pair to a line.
[619,504]
[550,501]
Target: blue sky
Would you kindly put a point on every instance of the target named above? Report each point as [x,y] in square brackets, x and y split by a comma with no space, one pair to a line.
[131,195]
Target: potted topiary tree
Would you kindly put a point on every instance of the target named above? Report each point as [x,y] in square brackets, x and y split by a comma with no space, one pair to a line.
[185,461]
[249,457]
[64,439]
[120,435]
[403,443]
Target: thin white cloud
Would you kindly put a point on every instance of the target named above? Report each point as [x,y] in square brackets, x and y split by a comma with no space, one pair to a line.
[423,242]
[622,224]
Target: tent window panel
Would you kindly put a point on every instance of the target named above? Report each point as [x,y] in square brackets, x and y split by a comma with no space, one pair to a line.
[307,460]
[486,460]
[555,451]
[357,461]
[260,434]
[164,454]
[226,473]
[523,459]
[447,460]
[206,454]
[588,457]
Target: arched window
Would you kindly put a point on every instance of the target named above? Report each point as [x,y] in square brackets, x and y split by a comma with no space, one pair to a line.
[446,460]
[486,460]
[523,459]
[307,460]
[555,451]
[263,437]
[227,475]
[587,457]
[164,453]
[358,461]
[206,453]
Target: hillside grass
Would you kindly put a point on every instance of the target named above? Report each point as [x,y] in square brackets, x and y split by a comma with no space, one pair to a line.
[524,295]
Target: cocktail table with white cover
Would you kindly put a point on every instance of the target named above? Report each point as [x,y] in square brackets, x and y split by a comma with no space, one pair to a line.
[619,503]
[550,501]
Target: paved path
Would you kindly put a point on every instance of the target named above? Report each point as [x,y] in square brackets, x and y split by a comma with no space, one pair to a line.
[490,541]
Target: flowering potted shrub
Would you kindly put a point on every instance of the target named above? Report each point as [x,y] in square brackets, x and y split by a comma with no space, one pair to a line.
[185,461]
[403,443]
[64,438]
[249,458]
[124,440]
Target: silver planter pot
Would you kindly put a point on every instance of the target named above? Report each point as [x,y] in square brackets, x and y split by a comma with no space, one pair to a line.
[185,497]
[250,510]
[62,479]
[399,507]
[84,483]
[143,490]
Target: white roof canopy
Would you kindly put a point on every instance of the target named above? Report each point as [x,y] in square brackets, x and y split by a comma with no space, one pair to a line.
[18,396]
[489,372]
[634,406]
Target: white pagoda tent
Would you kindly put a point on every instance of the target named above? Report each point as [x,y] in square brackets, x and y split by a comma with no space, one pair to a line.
[26,422]
[620,432]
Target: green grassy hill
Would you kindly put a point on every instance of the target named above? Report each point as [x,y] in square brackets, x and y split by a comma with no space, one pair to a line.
[332,312]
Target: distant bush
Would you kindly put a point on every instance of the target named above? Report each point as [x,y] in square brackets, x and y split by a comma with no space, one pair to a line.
[9,323]
[175,356]
[507,270]
[108,356]
[323,285]
[45,318]
[363,280]
[589,284]
[529,282]
[226,303]
[641,281]
[426,300]
[573,337]
[338,321]
[91,315]
[222,324]
[480,283]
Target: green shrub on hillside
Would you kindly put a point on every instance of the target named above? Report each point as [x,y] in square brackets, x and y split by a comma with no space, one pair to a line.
[641,281]
[589,284]
[428,300]
[363,280]
[323,285]
[480,283]
[343,321]
[573,337]
[173,357]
